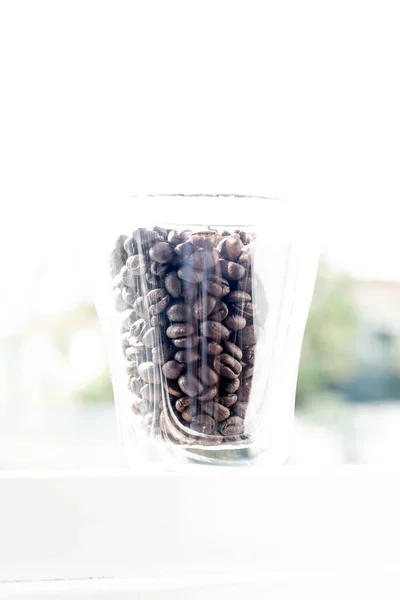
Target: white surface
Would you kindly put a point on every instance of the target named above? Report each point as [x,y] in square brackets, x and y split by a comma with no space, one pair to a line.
[202,523]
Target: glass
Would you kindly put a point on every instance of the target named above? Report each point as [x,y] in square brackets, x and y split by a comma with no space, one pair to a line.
[204,302]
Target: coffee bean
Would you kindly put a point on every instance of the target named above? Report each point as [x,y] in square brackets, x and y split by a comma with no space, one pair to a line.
[116,261]
[216,286]
[235,322]
[249,335]
[128,296]
[217,411]
[175,237]
[161,354]
[189,355]
[214,330]
[233,350]
[203,424]
[227,366]
[190,291]
[190,274]
[179,312]
[232,426]
[245,389]
[220,312]
[149,372]
[230,247]
[203,306]
[130,246]
[249,355]
[245,258]
[203,259]
[151,337]
[228,400]
[231,270]
[145,237]
[132,368]
[173,284]
[161,231]
[183,403]
[230,386]
[158,269]
[205,239]
[137,347]
[139,307]
[120,303]
[180,330]
[190,385]
[213,348]
[240,408]
[173,388]
[208,376]
[184,250]
[186,342]
[238,296]
[137,265]
[152,393]
[135,383]
[173,369]
[156,301]
[209,394]
[161,252]
[245,285]
[244,236]
[159,320]
[189,413]
[138,329]
[130,353]
[247,372]
[127,277]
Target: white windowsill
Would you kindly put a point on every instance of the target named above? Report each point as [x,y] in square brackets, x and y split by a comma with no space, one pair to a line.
[131,531]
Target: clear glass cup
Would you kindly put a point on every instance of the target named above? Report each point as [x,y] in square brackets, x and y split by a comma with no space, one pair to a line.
[204,301]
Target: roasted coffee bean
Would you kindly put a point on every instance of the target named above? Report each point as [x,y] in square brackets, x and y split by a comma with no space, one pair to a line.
[145,237]
[183,403]
[153,282]
[149,372]
[184,250]
[245,389]
[189,355]
[235,322]
[161,231]
[217,411]
[227,366]
[128,317]
[232,426]
[249,355]
[151,337]
[138,348]
[203,259]
[247,372]
[152,393]
[128,296]
[220,312]
[127,277]
[116,261]
[156,301]
[161,354]
[208,376]
[228,400]
[214,330]
[173,388]
[238,297]
[203,424]
[178,237]
[161,252]
[189,413]
[173,284]
[244,236]
[136,264]
[209,394]
[180,330]
[249,335]
[230,247]
[135,383]
[190,291]
[138,329]
[186,342]
[231,270]
[233,350]
[203,306]
[125,339]
[190,385]
[179,312]
[246,285]
[159,320]
[205,239]
[132,368]
[244,310]
[130,246]
[158,269]
[139,308]
[230,386]
[213,348]
[240,409]
[173,369]
[216,286]
[189,274]
[130,353]
[245,257]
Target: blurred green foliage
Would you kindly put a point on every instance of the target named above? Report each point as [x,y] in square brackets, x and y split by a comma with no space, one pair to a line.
[328,357]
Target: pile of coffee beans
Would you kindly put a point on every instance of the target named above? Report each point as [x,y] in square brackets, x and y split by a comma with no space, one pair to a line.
[187,330]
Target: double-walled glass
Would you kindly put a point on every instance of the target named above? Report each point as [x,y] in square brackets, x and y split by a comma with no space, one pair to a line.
[204,303]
